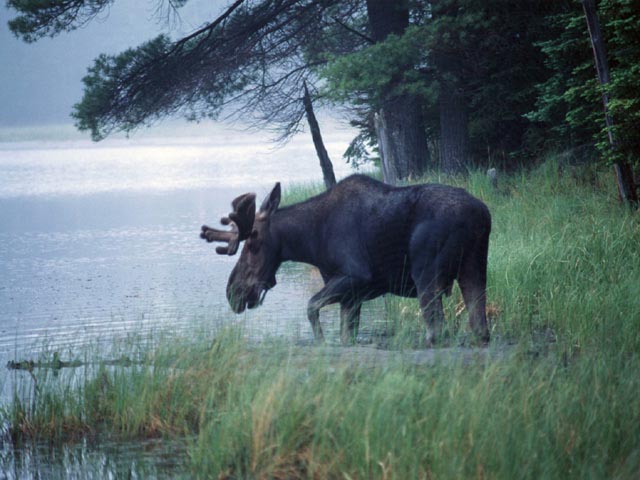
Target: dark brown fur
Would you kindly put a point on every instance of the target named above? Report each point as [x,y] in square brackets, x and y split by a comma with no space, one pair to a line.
[368,239]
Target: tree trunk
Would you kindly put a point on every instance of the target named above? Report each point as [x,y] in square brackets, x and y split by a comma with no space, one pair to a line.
[624,175]
[403,148]
[454,134]
[399,124]
[389,172]
[452,105]
[325,161]
[387,17]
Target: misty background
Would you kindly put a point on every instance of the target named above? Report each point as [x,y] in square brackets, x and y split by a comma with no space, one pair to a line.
[40,82]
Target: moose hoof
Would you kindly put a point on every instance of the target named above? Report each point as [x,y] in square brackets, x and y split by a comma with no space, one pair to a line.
[348,340]
[318,337]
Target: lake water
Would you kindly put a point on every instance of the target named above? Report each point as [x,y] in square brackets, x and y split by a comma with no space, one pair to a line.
[98,241]
[150,459]
[101,240]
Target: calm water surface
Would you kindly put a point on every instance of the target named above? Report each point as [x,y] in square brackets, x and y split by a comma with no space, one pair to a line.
[100,241]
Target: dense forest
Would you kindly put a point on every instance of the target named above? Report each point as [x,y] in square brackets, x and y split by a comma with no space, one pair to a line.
[451,84]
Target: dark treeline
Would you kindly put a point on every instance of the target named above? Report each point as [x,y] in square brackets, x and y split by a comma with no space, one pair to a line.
[447,84]
[501,82]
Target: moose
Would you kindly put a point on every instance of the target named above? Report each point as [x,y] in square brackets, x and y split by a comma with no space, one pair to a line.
[367,239]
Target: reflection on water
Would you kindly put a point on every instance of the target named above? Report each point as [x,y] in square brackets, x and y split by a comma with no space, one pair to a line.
[104,460]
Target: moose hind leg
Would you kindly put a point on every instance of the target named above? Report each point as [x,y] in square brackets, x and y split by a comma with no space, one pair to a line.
[474,296]
[433,272]
[430,294]
[313,313]
[349,322]
[473,285]
[433,314]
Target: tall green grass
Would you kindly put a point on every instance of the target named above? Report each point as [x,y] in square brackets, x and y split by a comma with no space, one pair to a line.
[564,281]
[565,257]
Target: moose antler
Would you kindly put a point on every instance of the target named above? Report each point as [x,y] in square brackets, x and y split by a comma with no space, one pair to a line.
[241,221]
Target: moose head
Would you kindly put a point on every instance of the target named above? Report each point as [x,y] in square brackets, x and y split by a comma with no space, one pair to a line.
[255,272]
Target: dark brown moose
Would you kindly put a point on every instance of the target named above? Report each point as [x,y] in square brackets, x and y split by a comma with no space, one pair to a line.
[367,239]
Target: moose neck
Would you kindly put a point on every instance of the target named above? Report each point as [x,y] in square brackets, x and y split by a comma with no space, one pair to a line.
[295,228]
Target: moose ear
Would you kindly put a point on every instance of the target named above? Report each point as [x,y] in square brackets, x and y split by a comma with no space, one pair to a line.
[271,202]
[243,215]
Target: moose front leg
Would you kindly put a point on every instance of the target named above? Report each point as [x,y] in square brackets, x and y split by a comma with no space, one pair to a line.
[337,289]
[349,322]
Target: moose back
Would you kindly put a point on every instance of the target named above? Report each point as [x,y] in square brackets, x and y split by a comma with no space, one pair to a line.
[366,238]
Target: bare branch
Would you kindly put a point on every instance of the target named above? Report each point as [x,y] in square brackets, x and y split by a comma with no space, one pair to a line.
[354,31]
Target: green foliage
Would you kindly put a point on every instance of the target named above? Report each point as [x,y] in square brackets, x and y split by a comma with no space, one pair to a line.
[491,58]
[357,153]
[49,18]
[300,192]
[570,100]
[622,24]
[525,68]
[105,105]
[501,66]
[384,68]
[149,82]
